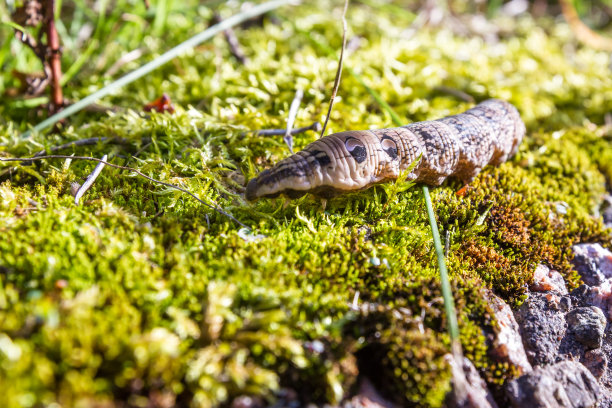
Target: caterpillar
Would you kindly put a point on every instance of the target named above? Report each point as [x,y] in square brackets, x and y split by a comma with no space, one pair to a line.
[456,146]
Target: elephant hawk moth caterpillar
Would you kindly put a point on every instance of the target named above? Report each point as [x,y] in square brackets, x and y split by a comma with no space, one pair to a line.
[456,146]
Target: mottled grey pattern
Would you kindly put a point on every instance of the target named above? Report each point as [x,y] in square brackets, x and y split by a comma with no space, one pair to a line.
[456,146]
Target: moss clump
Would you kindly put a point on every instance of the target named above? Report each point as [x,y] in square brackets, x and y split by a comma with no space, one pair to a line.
[596,142]
[401,358]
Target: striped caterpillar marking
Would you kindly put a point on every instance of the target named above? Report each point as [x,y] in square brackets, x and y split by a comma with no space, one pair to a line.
[458,146]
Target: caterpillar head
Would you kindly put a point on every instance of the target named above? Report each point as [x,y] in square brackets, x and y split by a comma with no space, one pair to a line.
[329,166]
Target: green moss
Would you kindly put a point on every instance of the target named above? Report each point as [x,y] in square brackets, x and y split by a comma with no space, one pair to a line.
[142,295]
[407,358]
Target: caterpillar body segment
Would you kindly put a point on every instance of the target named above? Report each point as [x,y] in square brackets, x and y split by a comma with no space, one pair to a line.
[455,146]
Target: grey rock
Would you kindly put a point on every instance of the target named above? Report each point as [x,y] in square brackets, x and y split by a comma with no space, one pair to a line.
[469,389]
[606,211]
[565,303]
[368,397]
[593,262]
[600,296]
[548,280]
[596,361]
[507,345]
[542,326]
[588,325]
[565,384]
[246,401]
[605,401]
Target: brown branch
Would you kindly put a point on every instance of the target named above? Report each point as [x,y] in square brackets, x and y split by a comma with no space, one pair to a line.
[214,207]
[581,30]
[54,58]
[232,41]
[49,54]
[316,126]
[91,141]
[339,71]
[459,94]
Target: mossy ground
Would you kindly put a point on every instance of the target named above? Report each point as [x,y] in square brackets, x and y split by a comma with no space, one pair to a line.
[143,297]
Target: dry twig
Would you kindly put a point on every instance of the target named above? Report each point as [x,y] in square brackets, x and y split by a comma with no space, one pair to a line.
[90,180]
[31,14]
[457,93]
[54,58]
[316,126]
[582,31]
[82,142]
[125,59]
[293,110]
[232,41]
[339,71]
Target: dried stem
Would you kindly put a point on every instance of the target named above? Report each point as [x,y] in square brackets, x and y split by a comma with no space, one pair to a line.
[293,110]
[125,59]
[232,41]
[457,93]
[582,31]
[316,126]
[214,207]
[339,71]
[90,180]
[54,58]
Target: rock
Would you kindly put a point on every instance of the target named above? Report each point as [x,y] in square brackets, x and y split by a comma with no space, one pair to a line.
[596,361]
[246,401]
[508,345]
[286,398]
[588,325]
[469,389]
[565,384]
[601,296]
[368,397]
[593,262]
[565,303]
[546,279]
[605,401]
[606,211]
[542,326]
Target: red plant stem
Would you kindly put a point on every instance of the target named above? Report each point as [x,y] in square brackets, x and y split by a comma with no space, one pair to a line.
[57,98]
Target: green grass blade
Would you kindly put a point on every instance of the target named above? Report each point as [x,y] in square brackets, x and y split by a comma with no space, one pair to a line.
[157,62]
[449,304]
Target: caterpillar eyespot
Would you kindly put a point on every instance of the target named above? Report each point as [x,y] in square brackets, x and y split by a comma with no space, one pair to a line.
[356,148]
[456,146]
[389,146]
